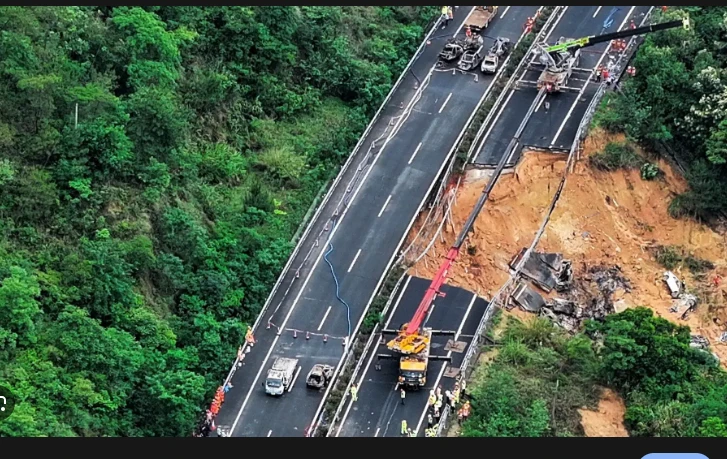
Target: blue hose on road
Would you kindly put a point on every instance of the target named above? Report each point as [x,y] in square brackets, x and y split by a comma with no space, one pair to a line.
[335,279]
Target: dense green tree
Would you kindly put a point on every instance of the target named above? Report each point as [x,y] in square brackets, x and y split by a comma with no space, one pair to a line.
[154,164]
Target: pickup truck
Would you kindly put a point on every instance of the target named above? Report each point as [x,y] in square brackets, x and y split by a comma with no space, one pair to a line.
[481,17]
[280,376]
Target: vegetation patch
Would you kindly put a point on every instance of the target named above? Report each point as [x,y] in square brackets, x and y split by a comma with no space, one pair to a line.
[616,155]
[542,376]
[674,106]
[141,237]
[671,257]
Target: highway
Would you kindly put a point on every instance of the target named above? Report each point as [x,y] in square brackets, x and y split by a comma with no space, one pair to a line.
[378,412]
[380,196]
[556,128]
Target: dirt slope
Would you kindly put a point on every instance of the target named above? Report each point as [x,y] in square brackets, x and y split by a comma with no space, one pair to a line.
[608,421]
[601,218]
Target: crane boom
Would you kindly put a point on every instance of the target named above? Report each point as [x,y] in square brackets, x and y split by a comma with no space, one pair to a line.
[584,42]
[409,340]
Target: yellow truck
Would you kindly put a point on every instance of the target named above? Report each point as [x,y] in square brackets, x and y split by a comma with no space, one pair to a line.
[413,367]
[481,17]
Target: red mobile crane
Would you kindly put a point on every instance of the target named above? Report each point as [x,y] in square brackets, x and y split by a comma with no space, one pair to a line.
[413,341]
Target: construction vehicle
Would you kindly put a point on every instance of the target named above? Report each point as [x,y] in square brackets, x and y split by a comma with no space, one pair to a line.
[481,17]
[500,48]
[560,60]
[280,376]
[319,376]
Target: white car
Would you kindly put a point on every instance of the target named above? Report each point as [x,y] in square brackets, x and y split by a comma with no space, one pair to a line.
[490,64]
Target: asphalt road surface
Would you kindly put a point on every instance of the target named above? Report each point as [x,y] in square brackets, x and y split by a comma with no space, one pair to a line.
[556,128]
[379,412]
[365,237]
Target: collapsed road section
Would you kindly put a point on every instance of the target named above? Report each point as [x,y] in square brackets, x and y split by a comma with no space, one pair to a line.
[413,347]
[330,288]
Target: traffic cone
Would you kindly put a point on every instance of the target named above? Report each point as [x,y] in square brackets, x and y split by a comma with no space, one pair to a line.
[268,327]
[295,333]
[325,338]
[307,335]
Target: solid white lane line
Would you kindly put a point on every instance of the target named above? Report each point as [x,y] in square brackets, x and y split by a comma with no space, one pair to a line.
[449,354]
[445,102]
[415,153]
[377,432]
[583,89]
[596,13]
[295,378]
[381,212]
[373,354]
[354,260]
[505,12]
[325,316]
[497,117]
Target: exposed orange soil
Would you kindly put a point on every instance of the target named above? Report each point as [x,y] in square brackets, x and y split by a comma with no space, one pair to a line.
[608,421]
[601,218]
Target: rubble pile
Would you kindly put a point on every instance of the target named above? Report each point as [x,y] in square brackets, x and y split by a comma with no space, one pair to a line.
[684,305]
[589,298]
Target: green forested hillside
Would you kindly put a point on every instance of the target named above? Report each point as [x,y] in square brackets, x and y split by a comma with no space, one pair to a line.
[542,376]
[138,243]
[677,102]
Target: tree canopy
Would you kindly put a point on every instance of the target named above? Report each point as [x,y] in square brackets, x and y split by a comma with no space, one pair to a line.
[155,163]
[677,103]
[542,376]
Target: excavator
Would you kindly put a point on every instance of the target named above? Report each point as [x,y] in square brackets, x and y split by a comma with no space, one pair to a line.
[560,60]
[413,340]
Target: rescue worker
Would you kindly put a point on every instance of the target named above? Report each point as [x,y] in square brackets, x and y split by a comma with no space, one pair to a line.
[439,392]
[450,13]
[403,395]
[430,420]
[464,384]
[432,398]
[354,392]
[410,433]
[664,8]
[468,32]
[466,410]
[632,25]
[529,24]
[403,427]
[445,16]
[429,432]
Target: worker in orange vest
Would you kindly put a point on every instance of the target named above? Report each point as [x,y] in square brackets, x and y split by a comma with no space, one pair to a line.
[664,8]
